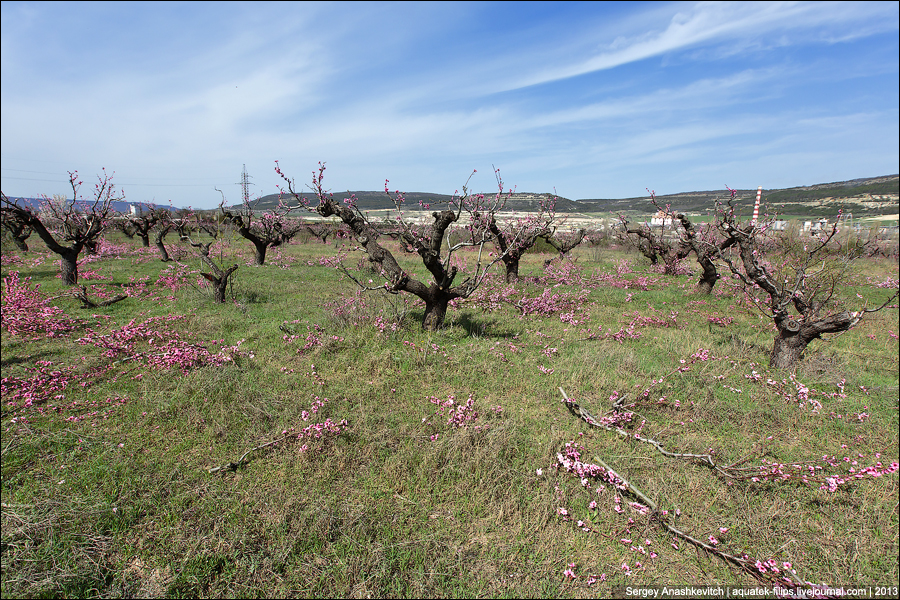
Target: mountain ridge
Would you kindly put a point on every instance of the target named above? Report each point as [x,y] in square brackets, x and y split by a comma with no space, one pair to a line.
[867,196]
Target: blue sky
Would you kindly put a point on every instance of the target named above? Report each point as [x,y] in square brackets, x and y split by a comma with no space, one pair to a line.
[594,100]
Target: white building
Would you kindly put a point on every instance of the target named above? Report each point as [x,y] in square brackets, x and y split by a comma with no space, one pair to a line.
[662,219]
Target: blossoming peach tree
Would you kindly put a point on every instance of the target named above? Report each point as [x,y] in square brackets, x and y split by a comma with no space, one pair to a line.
[514,237]
[266,230]
[80,223]
[220,275]
[325,229]
[431,243]
[141,224]
[564,242]
[799,293]
[17,228]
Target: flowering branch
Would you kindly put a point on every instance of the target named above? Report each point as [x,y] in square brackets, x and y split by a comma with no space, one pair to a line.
[733,470]
[318,431]
[765,572]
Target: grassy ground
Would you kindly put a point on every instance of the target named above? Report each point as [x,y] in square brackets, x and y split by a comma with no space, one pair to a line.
[106,482]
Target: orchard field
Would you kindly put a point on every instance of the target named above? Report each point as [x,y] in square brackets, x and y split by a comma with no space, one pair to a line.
[307,439]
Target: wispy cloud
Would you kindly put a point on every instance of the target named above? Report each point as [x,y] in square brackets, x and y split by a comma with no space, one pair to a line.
[736,26]
[557,95]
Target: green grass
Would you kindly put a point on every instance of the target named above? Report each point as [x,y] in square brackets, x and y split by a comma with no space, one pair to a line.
[121,503]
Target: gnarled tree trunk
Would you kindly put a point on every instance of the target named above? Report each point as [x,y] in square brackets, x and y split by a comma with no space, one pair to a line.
[435,311]
[259,251]
[708,277]
[789,344]
[794,336]
[220,281]
[512,269]
[20,243]
[160,236]
[68,266]
[18,230]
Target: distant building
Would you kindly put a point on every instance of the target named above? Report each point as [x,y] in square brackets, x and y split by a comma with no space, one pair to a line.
[662,219]
[815,226]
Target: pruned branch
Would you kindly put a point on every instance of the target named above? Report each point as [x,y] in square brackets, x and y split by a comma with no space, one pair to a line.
[86,302]
[743,562]
[233,466]
[731,471]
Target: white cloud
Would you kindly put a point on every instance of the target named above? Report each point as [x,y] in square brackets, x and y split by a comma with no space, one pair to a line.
[734,25]
[422,102]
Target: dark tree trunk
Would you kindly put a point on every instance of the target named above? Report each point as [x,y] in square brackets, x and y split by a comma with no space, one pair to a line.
[704,287]
[671,264]
[794,336]
[512,269]
[220,282]
[158,240]
[20,243]
[259,251]
[789,345]
[68,267]
[435,311]
[220,287]
[647,250]
[260,242]
[163,253]
[709,277]
[145,239]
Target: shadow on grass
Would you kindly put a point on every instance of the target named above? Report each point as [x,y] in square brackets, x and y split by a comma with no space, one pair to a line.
[482,327]
[35,274]
[30,359]
[744,347]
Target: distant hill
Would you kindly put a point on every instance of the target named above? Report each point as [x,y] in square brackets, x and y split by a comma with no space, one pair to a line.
[863,197]
[870,196]
[120,207]
[867,197]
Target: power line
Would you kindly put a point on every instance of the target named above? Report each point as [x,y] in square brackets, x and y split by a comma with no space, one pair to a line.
[26,171]
[118,183]
[32,179]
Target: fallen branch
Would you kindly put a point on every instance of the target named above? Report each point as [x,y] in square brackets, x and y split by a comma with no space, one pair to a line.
[743,562]
[733,470]
[232,466]
[773,471]
[314,431]
[88,303]
[762,571]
